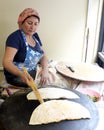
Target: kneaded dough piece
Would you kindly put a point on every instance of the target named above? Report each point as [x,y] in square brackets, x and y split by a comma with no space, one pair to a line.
[53,93]
[58,110]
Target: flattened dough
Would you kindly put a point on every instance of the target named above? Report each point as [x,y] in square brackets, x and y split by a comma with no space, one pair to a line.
[58,110]
[53,93]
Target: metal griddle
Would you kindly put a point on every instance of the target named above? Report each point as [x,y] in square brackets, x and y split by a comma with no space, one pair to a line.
[15,114]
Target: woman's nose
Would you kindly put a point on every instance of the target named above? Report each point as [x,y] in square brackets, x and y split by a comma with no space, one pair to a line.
[32,26]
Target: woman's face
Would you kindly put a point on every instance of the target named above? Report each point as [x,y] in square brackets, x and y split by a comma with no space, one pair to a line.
[30,25]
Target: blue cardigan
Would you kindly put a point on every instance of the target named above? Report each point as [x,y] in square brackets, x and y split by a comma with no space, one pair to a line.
[16,40]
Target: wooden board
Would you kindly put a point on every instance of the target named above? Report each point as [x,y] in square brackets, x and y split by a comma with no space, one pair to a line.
[82,71]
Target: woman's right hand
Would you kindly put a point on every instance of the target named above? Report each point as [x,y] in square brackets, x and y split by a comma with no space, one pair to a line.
[26,77]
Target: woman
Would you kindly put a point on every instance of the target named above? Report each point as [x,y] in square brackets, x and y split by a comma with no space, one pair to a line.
[23,49]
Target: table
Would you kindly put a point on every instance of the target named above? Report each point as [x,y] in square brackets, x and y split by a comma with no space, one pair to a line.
[15,113]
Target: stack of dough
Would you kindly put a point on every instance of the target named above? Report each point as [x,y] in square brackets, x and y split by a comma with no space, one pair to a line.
[58,107]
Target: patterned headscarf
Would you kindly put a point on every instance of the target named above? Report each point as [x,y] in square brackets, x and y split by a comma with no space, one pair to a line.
[26,13]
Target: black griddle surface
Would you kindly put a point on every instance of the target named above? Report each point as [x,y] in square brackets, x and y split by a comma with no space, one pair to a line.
[16,111]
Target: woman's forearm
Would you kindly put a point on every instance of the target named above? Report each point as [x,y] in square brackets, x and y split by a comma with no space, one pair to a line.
[44,63]
[8,61]
[10,67]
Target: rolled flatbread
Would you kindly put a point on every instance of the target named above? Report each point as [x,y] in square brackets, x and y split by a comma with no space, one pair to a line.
[58,110]
[53,93]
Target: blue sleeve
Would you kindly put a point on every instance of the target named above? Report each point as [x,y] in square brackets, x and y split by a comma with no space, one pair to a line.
[14,40]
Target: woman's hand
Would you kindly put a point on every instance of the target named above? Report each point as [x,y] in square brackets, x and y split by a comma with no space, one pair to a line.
[44,75]
[26,77]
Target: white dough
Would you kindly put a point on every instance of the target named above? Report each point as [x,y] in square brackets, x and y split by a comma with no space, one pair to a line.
[53,93]
[58,110]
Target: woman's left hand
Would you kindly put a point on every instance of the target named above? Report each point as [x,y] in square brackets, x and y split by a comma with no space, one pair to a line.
[44,74]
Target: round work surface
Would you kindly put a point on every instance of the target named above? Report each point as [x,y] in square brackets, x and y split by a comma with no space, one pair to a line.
[81,71]
[15,114]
